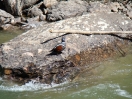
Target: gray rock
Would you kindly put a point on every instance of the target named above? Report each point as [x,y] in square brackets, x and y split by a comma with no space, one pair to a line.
[15,7]
[67,9]
[34,11]
[49,3]
[34,22]
[115,6]
[129,13]
[28,53]
[6,27]
[99,7]
[31,20]
[110,21]
[5,14]
[129,7]
[6,18]
[42,17]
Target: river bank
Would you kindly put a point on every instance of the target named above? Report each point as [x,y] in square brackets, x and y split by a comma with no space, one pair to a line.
[26,14]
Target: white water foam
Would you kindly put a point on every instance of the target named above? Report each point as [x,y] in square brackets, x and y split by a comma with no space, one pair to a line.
[123,93]
[30,86]
[107,89]
[116,89]
[0,79]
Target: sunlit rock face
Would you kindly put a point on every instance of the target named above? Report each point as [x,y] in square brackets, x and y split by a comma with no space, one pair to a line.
[26,56]
[67,9]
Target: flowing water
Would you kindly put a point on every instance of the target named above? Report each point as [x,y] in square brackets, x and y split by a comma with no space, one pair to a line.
[112,79]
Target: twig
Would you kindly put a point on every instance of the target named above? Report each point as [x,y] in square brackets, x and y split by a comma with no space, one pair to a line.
[90,32]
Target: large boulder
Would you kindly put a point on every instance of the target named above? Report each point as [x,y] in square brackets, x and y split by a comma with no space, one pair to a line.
[15,7]
[6,20]
[27,56]
[67,9]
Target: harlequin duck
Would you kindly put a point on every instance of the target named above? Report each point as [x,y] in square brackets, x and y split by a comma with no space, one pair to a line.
[59,47]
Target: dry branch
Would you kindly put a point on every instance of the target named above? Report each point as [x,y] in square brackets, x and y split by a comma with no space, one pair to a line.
[90,32]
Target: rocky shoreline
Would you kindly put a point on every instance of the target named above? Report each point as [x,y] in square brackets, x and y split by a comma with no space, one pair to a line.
[26,57]
[27,14]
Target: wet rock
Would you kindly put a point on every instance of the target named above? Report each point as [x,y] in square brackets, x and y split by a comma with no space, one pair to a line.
[60,71]
[66,9]
[9,27]
[6,27]
[7,71]
[57,72]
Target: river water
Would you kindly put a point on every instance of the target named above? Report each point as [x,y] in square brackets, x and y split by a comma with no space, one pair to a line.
[8,35]
[111,79]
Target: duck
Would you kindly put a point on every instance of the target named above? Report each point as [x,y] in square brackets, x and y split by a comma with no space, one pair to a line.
[59,47]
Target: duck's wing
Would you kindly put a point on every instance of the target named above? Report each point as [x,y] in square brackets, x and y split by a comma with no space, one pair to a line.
[55,47]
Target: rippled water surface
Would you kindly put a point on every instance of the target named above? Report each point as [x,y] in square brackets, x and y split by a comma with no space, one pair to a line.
[112,79]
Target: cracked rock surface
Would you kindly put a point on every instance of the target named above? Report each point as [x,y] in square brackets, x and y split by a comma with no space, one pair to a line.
[26,55]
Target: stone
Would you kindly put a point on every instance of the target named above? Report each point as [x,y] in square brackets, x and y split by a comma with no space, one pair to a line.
[49,3]
[115,6]
[7,27]
[27,54]
[42,17]
[31,20]
[7,71]
[5,17]
[5,14]
[30,58]
[129,7]
[66,9]
[95,21]
[98,7]
[34,11]
[15,7]
[129,14]
[39,51]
